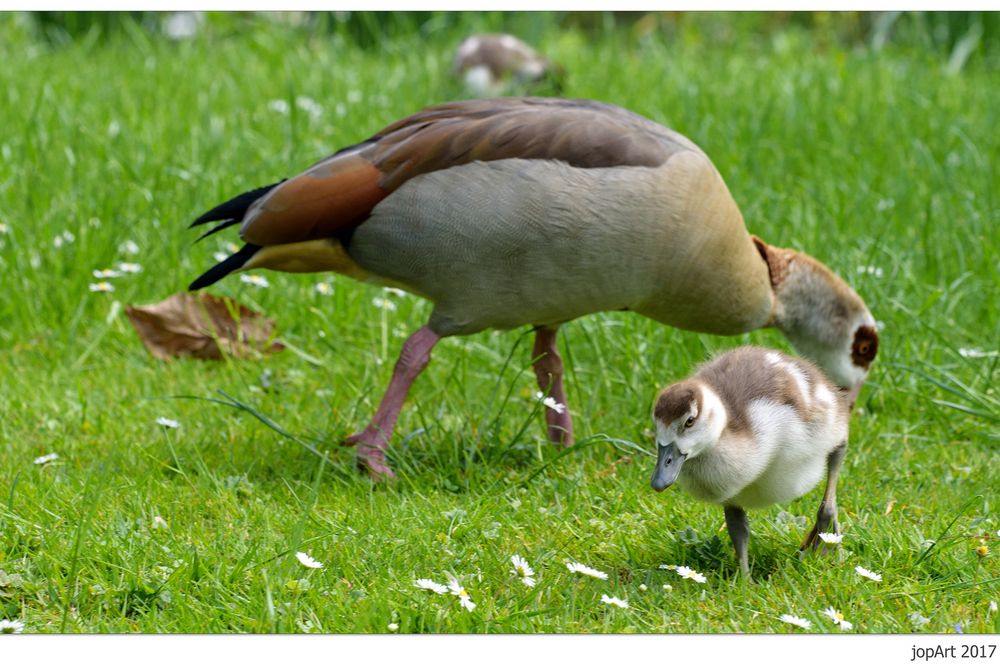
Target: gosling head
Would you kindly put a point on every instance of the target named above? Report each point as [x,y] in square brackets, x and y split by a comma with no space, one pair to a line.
[823,318]
[689,419]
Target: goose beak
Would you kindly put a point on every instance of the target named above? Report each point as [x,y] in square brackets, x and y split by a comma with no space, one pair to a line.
[668,465]
[852,394]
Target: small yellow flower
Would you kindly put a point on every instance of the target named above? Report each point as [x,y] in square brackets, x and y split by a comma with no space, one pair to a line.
[982,550]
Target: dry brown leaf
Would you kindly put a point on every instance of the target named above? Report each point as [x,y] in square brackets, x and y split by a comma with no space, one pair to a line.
[202,326]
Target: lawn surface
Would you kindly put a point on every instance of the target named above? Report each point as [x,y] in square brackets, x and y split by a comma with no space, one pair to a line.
[881,164]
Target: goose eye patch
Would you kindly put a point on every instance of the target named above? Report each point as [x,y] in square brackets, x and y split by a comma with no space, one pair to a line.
[865,346]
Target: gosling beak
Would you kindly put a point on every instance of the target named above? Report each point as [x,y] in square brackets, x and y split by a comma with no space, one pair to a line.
[668,465]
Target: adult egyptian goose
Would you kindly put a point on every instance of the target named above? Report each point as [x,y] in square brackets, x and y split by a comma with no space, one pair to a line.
[535,211]
[752,428]
[489,64]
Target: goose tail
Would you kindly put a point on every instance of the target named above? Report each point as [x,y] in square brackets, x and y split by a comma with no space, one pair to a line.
[234,262]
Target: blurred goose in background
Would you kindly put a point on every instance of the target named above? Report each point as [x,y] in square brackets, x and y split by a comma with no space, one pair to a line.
[536,211]
[490,65]
[752,428]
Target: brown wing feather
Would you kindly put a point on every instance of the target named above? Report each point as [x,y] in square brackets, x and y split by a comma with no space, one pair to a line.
[331,196]
[338,193]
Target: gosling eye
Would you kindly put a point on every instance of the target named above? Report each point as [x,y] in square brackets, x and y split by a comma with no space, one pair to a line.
[689,423]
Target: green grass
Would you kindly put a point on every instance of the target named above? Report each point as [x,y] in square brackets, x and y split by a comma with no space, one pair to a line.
[860,158]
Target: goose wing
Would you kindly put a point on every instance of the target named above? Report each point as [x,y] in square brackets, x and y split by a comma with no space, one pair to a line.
[337,194]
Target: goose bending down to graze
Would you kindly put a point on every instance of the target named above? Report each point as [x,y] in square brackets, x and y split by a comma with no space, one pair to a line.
[752,428]
[536,211]
[488,64]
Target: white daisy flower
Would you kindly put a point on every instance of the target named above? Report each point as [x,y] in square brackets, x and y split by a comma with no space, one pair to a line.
[551,403]
[607,599]
[795,620]
[871,270]
[220,256]
[159,522]
[580,568]
[278,106]
[668,587]
[688,573]
[430,585]
[169,423]
[326,289]
[48,458]
[256,281]
[393,627]
[129,248]
[103,286]
[129,267]
[463,595]
[308,561]
[105,273]
[837,618]
[523,570]
[975,353]
[64,238]
[643,587]
[309,105]
[384,304]
[182,25]
[11,627]
[831,538]
[666,567]
[864,572]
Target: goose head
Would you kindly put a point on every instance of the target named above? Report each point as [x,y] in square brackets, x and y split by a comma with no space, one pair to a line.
[823,318]
[689,419]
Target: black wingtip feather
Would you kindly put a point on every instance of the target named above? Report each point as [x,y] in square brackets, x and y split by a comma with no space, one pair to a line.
[235,208]
[225,267]
[218,228]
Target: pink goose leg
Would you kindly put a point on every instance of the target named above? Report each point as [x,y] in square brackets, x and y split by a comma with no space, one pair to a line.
[374,440]
[549,371]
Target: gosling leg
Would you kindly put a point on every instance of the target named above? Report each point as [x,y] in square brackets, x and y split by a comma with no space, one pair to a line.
[827,513]
[739,532]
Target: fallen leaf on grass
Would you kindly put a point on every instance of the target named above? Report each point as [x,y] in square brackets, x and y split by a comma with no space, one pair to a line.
[202,326]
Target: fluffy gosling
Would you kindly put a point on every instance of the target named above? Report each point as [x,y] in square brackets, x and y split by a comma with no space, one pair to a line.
[751,428]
